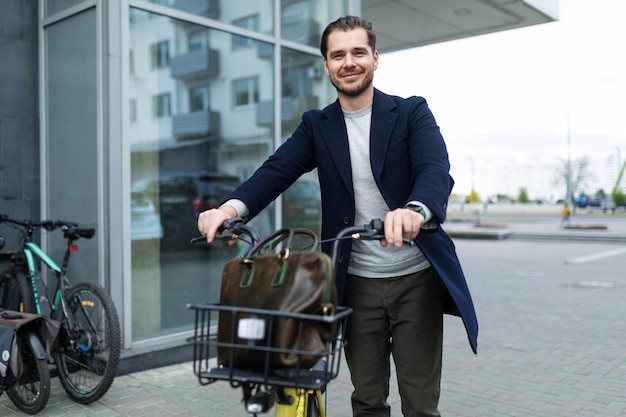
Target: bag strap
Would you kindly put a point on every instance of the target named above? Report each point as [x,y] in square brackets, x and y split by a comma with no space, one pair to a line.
[268,245]
[286,235]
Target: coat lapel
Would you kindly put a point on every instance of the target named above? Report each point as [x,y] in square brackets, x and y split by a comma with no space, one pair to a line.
[336,138]
[383,121]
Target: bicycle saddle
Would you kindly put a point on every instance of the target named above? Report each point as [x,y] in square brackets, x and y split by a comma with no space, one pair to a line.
[77,232]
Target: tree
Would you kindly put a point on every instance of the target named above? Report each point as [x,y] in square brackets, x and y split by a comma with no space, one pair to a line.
[523,196]
[579,175]
[473,197]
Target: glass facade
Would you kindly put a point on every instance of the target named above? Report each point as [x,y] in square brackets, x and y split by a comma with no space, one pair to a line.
[71,150]
[202,119]
[205,96]
[155,117]
[57,6]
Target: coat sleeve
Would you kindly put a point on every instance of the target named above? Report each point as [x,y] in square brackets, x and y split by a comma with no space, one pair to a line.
[432,183]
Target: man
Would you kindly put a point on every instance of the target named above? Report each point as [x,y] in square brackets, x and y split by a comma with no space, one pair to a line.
[377,156]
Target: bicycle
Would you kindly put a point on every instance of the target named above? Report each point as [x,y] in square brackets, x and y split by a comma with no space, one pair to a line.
[292,392]
[87,351]
[29,390]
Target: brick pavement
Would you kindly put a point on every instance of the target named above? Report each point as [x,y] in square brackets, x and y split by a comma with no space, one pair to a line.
[551,344]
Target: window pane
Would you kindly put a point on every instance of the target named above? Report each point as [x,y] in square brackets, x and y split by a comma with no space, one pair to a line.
[56,6]
[248,22]
[189,148]
[72,135]
[246,91]
[228,11]
[160,54]
[303,21]
[304,86]
[198,98]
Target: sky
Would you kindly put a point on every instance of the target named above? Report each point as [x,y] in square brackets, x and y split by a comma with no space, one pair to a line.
[513,105]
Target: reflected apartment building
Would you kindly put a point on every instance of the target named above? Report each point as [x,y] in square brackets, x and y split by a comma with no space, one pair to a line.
[132,116]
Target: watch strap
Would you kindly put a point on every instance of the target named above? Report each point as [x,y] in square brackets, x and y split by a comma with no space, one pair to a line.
[416,208]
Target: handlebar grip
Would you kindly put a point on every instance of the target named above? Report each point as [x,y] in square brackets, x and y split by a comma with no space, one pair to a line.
[375,230]
[230,229]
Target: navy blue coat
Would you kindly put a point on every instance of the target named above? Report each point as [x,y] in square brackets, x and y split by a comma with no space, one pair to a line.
[409,161]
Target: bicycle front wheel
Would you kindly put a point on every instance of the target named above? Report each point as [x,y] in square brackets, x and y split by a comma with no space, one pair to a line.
[31,392]
[89,351]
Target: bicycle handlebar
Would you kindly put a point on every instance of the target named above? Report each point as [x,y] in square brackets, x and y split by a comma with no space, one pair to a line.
[236,228]
[70,229]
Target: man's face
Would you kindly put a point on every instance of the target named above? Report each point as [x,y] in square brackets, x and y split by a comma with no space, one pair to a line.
[350,62]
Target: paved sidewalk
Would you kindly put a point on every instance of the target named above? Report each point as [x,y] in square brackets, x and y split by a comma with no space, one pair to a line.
[552,342]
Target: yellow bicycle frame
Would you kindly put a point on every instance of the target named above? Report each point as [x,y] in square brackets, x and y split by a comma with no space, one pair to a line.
[299,406]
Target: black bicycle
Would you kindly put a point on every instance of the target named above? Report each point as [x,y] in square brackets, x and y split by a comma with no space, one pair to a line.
[28,387]
[87,351]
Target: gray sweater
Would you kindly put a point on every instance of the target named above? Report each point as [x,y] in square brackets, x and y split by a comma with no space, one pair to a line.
[368,258]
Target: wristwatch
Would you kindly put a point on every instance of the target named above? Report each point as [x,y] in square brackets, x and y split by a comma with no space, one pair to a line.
[416,208]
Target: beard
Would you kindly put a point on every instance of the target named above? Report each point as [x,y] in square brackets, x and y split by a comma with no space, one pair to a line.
[353,90]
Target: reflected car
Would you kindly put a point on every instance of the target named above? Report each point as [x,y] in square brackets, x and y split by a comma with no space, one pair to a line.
[182,196]
[302,206]
[145,221]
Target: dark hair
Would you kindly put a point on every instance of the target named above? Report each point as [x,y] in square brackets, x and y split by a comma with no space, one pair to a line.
[346,24]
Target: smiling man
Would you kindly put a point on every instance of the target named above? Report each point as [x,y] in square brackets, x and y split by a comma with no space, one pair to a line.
[377,156]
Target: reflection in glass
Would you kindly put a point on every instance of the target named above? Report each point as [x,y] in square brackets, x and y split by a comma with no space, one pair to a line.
[248,22]
[233,12]
[195,135]
[201,121]
[56,6]
[71,104]
[304,20]
[304,87]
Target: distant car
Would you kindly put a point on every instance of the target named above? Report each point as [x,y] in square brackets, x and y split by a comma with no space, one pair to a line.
[181,197]
[590,203]
[302,205]
[145,221]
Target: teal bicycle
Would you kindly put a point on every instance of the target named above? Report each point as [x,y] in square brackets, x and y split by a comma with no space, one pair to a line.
[87,351]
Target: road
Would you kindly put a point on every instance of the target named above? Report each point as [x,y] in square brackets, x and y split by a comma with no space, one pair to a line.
[552,329]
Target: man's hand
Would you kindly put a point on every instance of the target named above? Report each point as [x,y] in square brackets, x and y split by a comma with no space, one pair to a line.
[401,224]
[209,221]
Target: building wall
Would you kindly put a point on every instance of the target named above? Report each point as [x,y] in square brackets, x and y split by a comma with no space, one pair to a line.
[19,121]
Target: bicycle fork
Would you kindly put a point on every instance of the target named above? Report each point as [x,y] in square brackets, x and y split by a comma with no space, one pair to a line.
[287,402]
[303,403]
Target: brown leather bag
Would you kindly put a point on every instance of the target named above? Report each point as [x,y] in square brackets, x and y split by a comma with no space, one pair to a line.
[289,282]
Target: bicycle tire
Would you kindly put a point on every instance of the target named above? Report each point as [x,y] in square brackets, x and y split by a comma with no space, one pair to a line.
[31,391]
[87,359]
[15,292]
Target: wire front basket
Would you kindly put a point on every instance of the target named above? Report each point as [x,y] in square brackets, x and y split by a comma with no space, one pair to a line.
[248,337]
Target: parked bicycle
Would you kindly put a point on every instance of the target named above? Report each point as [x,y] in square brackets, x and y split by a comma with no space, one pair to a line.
[28,388]
[87,351]
[292,392]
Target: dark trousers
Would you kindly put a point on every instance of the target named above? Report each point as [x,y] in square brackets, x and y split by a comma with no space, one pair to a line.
[402,316]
